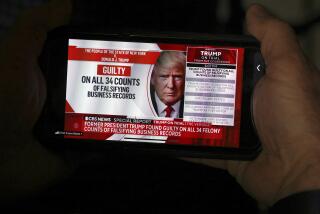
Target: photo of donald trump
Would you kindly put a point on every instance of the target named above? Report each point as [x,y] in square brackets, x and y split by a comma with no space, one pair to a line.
[167,84]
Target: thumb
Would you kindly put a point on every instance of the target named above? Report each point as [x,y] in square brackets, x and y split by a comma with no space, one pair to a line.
[278,40]
[22,83]
[220,164]
[234,168]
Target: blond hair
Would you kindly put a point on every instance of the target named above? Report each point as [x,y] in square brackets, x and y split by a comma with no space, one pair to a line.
[170,59]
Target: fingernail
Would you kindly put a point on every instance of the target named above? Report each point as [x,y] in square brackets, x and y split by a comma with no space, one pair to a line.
[259,11]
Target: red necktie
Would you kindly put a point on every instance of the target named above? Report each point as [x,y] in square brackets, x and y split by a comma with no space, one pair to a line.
[168,111]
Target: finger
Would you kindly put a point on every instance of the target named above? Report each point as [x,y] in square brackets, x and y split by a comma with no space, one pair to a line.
[278,40]
[234,168]
[220,164]
[22,84]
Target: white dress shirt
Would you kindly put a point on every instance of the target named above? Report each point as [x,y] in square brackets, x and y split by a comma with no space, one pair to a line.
[161,108]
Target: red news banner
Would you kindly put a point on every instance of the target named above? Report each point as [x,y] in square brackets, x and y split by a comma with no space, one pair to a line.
[200,129]
[111,55]
[101,127]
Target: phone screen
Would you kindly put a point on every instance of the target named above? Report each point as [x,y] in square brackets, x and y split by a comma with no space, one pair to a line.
[155,93]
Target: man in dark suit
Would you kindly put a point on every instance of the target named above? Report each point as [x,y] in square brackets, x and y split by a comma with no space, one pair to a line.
[167,84]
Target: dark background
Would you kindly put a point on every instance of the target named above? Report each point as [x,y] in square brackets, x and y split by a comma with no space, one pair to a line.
[118,182]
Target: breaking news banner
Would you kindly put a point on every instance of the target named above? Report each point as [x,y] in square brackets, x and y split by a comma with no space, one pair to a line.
[157,93]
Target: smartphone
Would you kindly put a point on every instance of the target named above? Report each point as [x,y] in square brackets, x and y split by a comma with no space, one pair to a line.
[177,94]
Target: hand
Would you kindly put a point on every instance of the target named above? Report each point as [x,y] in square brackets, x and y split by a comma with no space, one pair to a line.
[286,112]
[26,166]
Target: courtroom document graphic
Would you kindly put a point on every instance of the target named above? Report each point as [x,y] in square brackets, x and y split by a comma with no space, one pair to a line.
[157,93]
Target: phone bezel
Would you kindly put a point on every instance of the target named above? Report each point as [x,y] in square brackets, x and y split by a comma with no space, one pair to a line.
[64,33]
